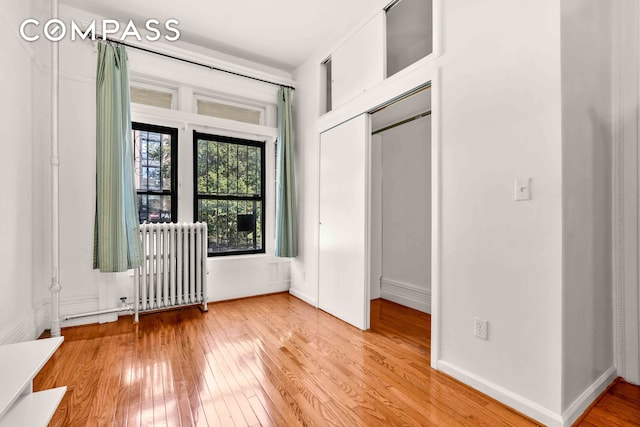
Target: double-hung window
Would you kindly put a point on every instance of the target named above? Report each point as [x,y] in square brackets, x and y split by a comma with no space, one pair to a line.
[156,172]
[229,175]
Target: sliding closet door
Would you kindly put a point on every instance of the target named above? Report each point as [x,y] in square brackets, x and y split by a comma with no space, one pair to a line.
[344,222]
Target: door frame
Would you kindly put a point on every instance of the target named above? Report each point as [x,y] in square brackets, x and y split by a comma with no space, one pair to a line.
[371,101]
[626,219]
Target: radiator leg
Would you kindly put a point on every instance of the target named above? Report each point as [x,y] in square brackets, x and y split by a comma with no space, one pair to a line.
[136,294]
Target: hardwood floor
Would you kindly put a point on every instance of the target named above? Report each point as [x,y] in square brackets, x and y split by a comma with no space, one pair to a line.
[619,406]
[271,361]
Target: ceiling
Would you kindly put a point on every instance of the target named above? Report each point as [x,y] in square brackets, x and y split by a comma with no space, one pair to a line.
[278,33]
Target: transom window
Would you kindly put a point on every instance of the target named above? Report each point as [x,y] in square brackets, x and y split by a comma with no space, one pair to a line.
[155,97]
[230,111]
[155,157]
[229,192]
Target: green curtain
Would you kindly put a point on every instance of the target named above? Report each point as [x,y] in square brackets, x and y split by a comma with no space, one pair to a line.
[286,222]
[117,245]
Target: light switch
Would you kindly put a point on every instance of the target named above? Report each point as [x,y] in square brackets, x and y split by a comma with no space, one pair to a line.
[523,189]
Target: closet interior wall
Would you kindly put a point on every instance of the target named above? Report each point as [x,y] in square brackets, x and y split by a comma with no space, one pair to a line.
[401,202]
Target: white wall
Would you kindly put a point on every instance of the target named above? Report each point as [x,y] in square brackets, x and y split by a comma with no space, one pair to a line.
[20,243]
[306,109]
[501,259]
[41,127]
[587,196]
[375,237]
[406,214]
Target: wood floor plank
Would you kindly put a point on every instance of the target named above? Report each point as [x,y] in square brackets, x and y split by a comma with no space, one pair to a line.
[275,361]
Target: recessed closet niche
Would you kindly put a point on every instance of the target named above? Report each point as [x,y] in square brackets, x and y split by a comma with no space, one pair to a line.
[401,202]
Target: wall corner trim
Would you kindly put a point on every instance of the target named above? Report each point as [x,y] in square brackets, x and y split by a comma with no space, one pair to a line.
[406,294]
[626,84]
[303,297]
[515,401]
[588,396]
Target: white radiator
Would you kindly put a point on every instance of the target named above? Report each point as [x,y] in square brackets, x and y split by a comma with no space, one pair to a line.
[174,272]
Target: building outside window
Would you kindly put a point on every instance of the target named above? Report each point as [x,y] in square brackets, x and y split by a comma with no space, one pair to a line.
[229,193]
[155,157]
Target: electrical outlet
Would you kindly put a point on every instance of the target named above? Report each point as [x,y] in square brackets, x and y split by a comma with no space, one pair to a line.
[481,328]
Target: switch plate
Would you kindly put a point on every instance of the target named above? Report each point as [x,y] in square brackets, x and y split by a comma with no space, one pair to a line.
[523,189]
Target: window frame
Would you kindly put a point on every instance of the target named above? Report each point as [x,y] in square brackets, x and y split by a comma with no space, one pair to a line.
[173,192]
[263,196]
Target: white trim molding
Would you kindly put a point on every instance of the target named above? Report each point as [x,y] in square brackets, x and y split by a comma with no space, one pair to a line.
[301,296]
[38,319]
[515,401]
[25,329]
[406,294]
[528,407]
[588,396]
[626,50]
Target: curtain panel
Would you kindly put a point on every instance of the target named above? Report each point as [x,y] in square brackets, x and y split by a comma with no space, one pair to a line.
[286,221]
[117,244]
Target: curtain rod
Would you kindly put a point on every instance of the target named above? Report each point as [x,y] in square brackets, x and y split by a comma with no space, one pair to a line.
[188,61]
[402,122]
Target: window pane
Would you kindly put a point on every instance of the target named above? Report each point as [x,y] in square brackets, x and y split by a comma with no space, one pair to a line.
[155,166]
[153,208]
[152,160]
[229,193]
[230,112]
[233,225]
[226,169]
[409,33]
[155,98]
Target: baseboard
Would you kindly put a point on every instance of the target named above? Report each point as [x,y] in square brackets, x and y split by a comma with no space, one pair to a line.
[406,294]
[43,316]
[587,397]
[229,293]
[73,305]
[296,293]
[22,330]
[513,400]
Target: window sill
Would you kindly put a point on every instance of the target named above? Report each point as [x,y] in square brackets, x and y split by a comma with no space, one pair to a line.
[245,257]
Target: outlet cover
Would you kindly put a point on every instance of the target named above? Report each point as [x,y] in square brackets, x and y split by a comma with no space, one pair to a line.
[481,328]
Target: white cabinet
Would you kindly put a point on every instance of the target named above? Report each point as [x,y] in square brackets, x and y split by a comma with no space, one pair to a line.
[393,40]
[19,364]
[359,63]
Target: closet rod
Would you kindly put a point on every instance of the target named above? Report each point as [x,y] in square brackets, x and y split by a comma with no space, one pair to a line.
[402,122]
[189,61]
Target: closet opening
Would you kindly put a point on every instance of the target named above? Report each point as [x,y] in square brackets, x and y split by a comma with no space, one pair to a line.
[401,205]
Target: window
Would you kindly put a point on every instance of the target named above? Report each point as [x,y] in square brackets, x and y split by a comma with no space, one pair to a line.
[155,157]
[409,33]
[229,111]
[229,176]
[328,82]
[153,97]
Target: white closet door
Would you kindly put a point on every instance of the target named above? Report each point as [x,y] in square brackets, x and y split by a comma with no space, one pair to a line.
[344,222]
